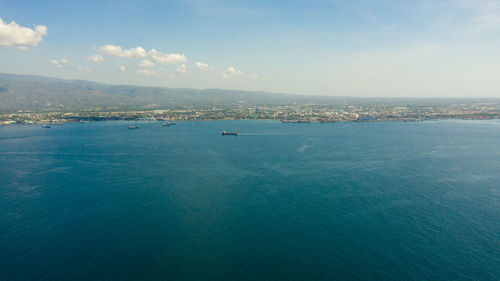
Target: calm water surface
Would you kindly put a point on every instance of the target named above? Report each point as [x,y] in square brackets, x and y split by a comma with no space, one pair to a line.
[338,201]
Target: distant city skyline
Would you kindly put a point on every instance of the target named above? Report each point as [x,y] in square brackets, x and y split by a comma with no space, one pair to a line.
[420,48]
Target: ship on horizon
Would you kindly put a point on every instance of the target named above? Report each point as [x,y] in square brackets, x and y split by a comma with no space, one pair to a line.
[224,133]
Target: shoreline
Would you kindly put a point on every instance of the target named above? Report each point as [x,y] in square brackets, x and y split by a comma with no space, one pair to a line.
[293,122]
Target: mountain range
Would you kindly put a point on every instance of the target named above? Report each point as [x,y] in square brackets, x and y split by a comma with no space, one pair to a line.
[39,93]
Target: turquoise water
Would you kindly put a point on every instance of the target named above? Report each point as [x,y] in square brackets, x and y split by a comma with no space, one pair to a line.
[337,201]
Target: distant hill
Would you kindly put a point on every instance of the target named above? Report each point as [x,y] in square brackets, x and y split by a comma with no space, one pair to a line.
[38,93]
[28,92]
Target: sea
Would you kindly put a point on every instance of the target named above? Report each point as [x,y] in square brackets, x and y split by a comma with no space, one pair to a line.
[317,201]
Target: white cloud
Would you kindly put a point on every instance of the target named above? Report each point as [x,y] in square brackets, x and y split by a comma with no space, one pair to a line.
[95,58]
[117,51]
[160,57]
[146,72]
[59,63]
[14,35]
[84,68]
[122,68]
[56,63]
[140,52]
[231,72]
[203,66]
[182,69]
[146,63]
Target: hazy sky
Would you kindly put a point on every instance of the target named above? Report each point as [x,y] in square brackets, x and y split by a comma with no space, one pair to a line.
[411,48]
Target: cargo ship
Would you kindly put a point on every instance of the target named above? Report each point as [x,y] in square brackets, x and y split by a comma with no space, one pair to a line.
[224,133]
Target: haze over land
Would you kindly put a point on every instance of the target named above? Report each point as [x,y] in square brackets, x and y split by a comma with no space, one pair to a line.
[38,93]
[26,92]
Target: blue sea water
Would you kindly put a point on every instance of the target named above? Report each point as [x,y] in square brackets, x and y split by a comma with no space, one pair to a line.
[337,201]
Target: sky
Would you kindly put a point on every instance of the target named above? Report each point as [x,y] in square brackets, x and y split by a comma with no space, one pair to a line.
[365,48]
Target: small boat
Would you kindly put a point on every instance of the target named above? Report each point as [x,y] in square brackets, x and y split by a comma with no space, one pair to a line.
[45,126]
[133,127]
[224,133]
[167,124]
